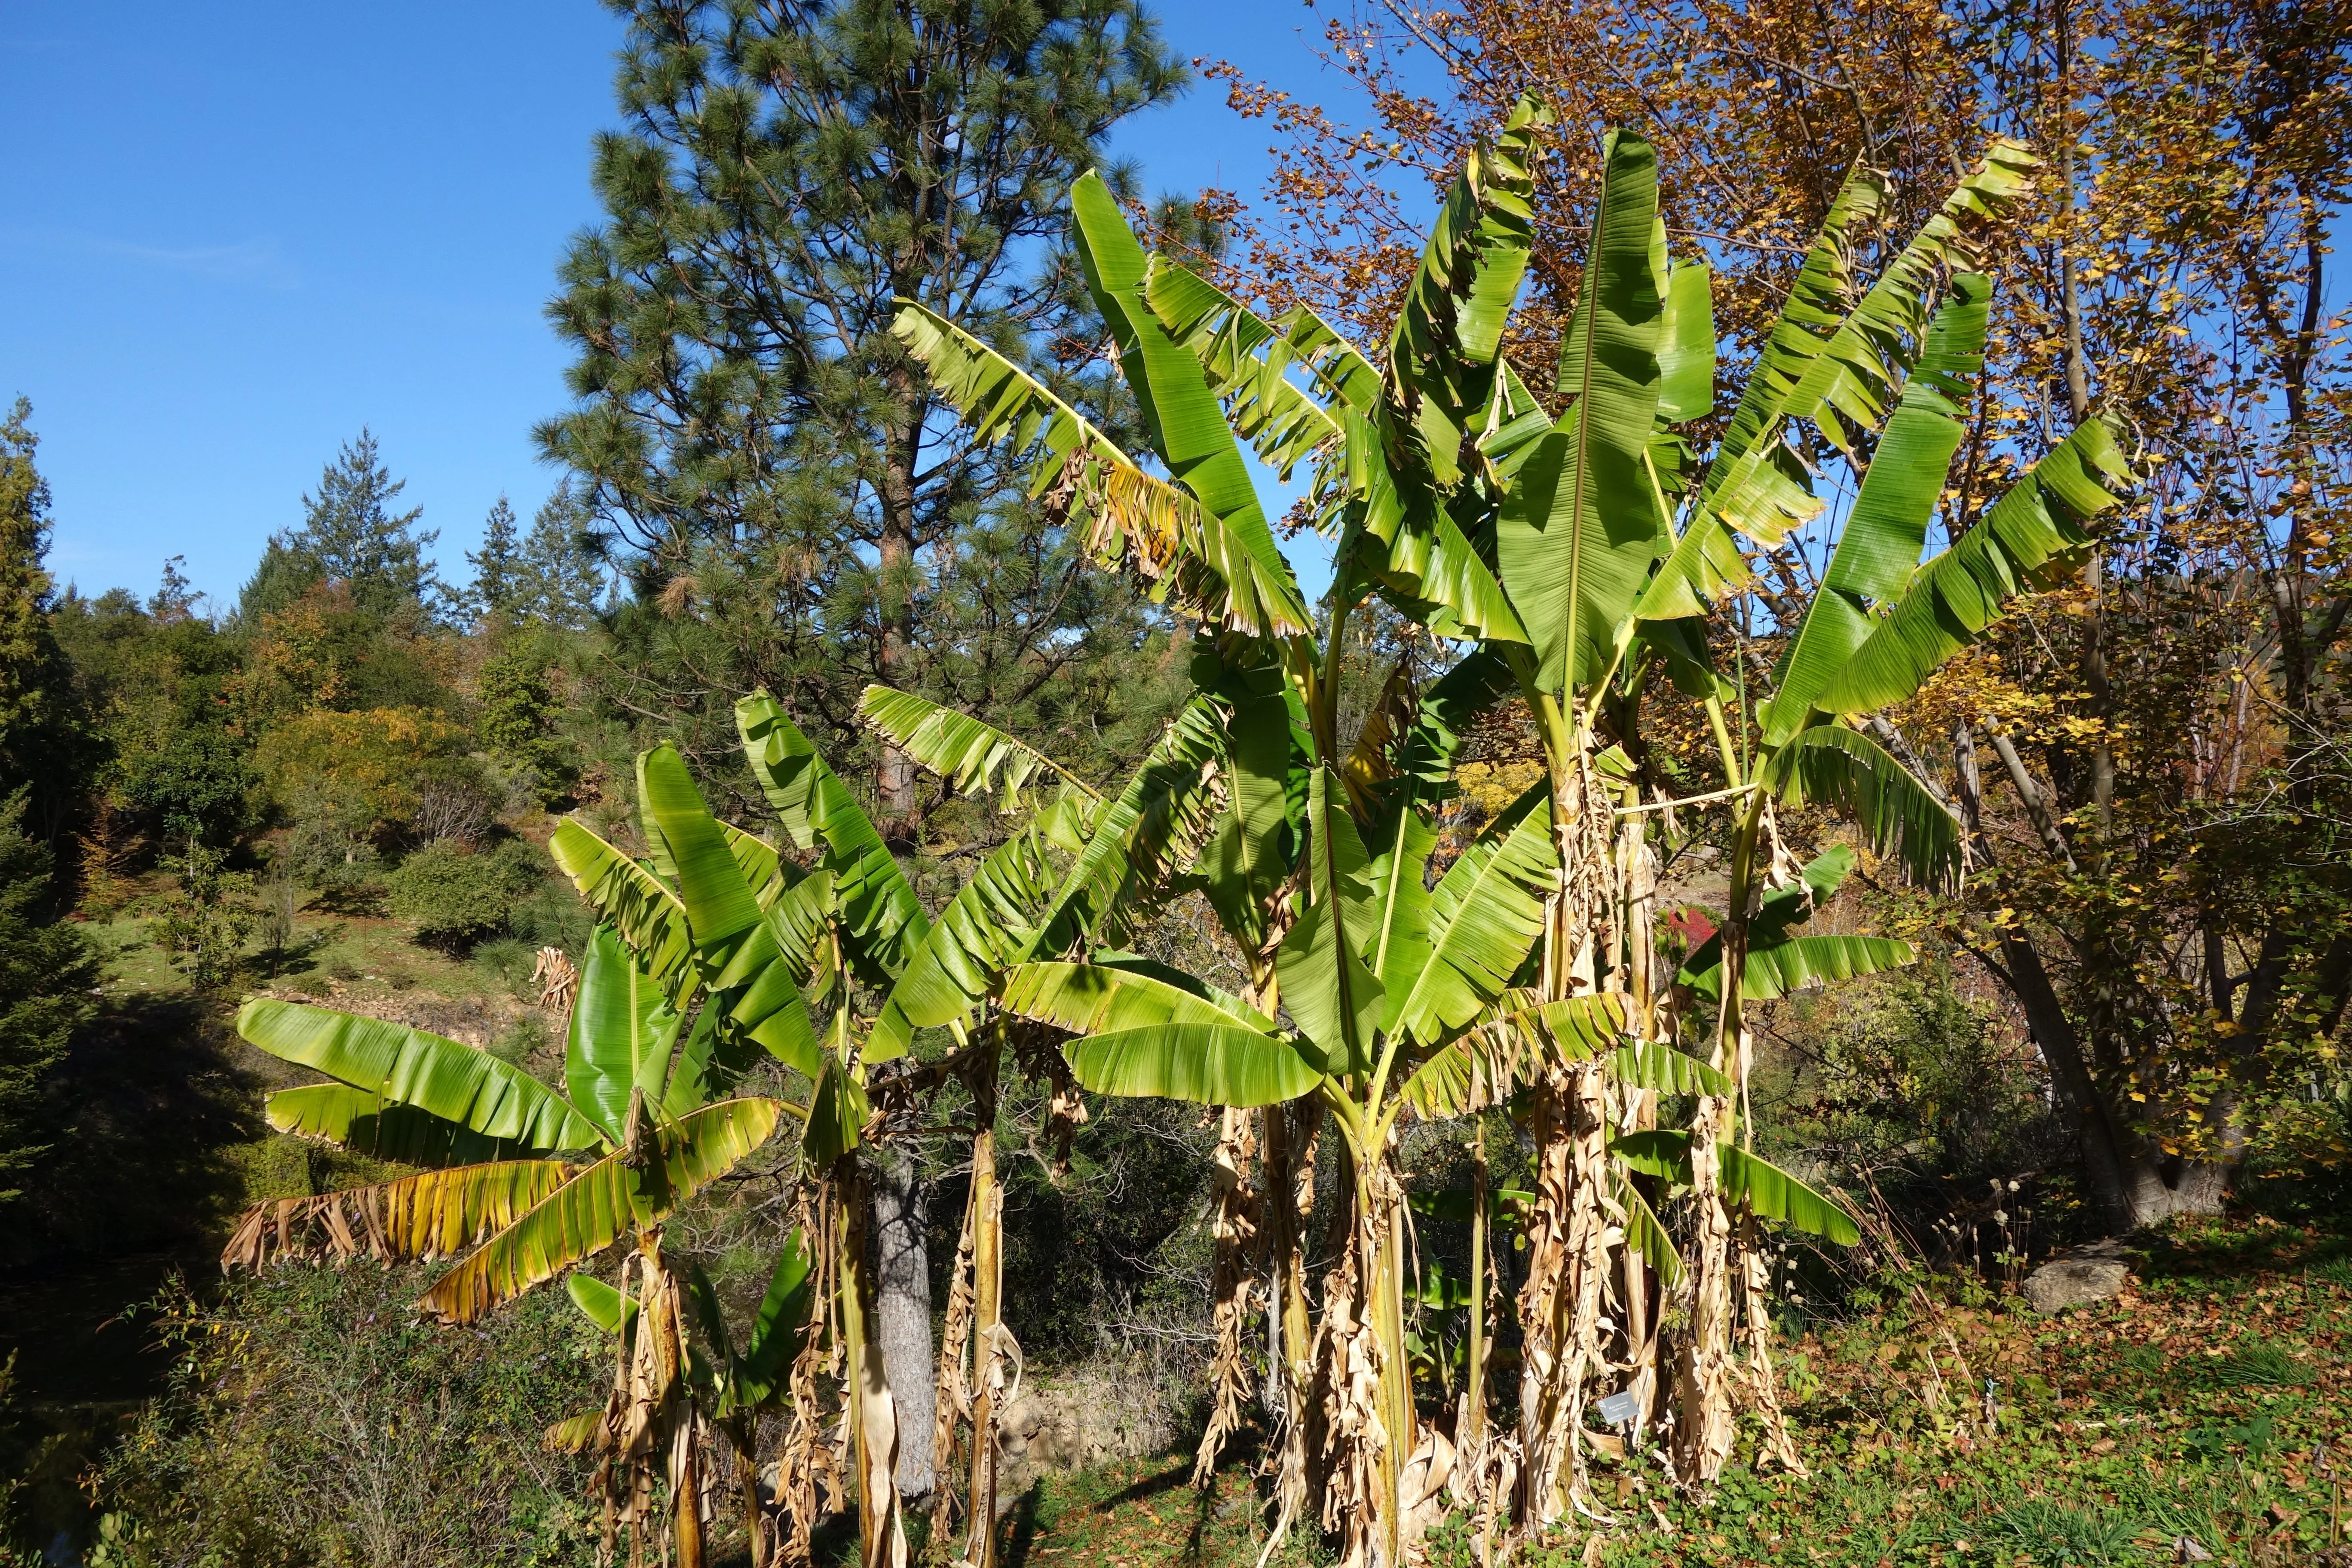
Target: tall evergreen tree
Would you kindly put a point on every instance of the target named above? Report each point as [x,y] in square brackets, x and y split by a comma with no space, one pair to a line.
[499,578]
[749,427]
[559,575]
[39,742]
[350,535]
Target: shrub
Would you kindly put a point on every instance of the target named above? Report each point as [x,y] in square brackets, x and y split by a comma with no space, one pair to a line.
[456,897]
[314,1417]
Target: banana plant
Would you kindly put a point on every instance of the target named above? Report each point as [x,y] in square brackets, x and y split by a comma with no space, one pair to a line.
[540,1179]
[640,1422]
[1576,548]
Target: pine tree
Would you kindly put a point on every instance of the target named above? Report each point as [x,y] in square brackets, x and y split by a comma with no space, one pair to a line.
[558,573]
[38,740]
[350,536]
[499,578]
[749,426]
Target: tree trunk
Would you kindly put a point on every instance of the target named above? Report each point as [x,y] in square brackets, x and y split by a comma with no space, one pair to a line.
[895,610]
[902,1313]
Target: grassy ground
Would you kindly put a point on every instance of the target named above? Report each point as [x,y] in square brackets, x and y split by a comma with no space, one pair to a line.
[2209,1403]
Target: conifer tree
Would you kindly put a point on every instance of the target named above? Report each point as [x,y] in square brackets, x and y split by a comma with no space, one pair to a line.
[779,469]
[498,577]
[558,576]
[350,535]
[38,741]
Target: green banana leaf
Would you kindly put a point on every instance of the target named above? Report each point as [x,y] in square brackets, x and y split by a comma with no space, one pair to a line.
[1829,764]
[402,1066]
[1647,1235]
[1651,1065]
[1248,362]
[601,1304]
[998,399]
[1484,914]
[972,757]
[635,902]
[1095,999]
[1777,968]
[1858,371]
[985,928]
[2031,535]
[1187,425]
[884,921]
[1131,830]
[753,982]
[596,1207]
[622,1035]
[1686,342]
[1879,547]
[1662,1153]
[1423,561]
[1334,997]
[364,1124]
[1449,329]
[777,1329]
[1774,1194]
[837,1119]
[1579,531]
[1201,1063]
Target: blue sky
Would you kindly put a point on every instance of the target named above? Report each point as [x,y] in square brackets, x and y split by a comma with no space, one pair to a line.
[239,232]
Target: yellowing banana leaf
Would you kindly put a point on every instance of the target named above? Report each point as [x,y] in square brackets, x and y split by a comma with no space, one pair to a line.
[598,1206]
[1771,1192]
[576,1434]
[402,1066]
[428,1216]
[972,756]
[1210,563]
[633,901]
[357,1119]
[1203,1063]
[1480,1068]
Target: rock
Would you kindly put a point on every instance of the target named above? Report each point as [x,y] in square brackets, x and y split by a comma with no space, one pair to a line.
[1079,1422]
[2064,1282]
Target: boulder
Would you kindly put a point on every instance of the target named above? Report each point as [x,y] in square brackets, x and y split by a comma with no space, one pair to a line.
[2064,1282]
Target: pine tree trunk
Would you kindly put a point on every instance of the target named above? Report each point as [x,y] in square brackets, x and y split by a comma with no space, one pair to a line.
[902,1314]
[897,609]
